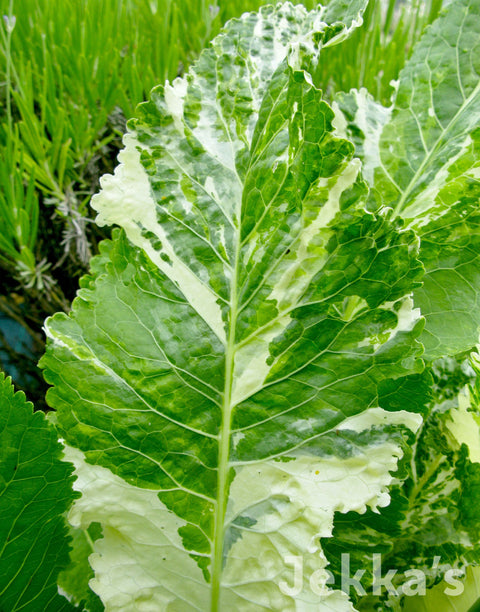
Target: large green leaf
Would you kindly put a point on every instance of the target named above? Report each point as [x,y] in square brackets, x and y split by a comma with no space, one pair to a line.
[426,166]
[218,379]
[35,492]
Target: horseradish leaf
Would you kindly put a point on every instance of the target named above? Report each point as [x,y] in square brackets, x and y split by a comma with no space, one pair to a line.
[217,381]
[428,171]
[431,524]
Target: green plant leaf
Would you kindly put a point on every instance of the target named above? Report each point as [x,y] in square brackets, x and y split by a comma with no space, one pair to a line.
[431,524]
[35,492]
[217,381]
[428,171]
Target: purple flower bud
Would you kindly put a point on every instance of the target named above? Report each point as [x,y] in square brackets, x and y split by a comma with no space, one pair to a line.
[214,10]
[10,22]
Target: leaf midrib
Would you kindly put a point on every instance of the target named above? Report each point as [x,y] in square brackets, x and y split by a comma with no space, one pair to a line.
[225,434]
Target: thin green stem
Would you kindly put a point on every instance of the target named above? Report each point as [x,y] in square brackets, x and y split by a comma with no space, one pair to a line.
[8,54]
[223,457]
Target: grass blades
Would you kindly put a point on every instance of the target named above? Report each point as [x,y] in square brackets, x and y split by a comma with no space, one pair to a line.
[374,55]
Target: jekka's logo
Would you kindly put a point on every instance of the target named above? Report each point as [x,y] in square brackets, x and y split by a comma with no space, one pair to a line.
[415,584]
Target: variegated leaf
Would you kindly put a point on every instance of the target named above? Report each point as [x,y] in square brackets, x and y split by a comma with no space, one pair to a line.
[217,379]
[426,167]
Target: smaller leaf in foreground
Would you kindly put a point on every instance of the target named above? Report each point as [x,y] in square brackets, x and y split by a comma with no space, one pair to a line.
[35,492]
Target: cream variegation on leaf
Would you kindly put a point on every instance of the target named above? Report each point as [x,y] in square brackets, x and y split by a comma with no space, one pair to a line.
[217,381]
